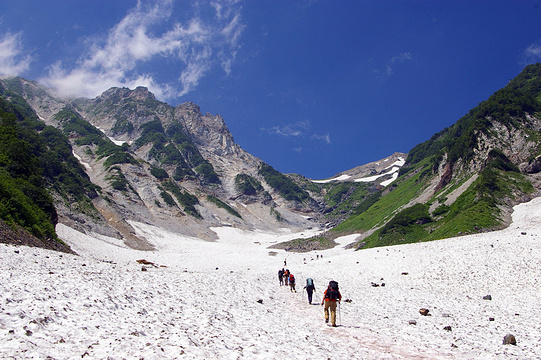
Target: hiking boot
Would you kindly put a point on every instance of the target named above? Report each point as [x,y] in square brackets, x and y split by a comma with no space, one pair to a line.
[326,321]
[333,325]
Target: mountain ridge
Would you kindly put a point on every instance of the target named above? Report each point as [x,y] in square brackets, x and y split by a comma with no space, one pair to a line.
[179,169]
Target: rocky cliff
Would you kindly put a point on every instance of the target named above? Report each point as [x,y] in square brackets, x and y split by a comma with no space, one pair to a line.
[172,167]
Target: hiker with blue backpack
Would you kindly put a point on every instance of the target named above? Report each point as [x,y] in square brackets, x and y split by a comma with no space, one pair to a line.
[331,297]
[310,288]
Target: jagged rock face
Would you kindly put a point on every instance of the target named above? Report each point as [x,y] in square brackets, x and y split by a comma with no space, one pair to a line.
[515,142]
[208,131]
[135,190]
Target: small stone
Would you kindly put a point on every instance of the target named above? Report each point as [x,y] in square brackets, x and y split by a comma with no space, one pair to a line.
[144,269]
[523,233]
[491,319]
[260,301]
[16,251]
[447,328]
[412,322]
[404,273]
[424,312]
[509,339]
[487,297]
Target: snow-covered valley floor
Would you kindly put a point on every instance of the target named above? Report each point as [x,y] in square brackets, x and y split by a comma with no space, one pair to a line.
[222,300]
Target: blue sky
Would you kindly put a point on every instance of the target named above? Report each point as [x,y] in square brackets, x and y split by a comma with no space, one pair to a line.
[310,87]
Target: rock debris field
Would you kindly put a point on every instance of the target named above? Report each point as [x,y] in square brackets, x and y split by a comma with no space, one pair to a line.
[192,299]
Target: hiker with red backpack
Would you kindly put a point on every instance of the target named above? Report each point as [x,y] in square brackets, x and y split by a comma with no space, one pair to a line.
[310,288]
[331,297]
[292,283]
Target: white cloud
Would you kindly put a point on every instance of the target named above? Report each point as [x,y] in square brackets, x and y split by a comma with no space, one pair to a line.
[400,58]
[298,130]
[324,138]
[13,61]
[533,52]
[194,47]
[295,129]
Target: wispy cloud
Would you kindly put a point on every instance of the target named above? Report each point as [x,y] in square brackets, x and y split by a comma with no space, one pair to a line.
[324,138]
[13,60]
[533,52]
[297,130]
[400,58]
[196,47]
[386,69]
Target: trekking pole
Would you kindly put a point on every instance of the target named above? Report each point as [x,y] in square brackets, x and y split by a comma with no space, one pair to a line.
[339,314]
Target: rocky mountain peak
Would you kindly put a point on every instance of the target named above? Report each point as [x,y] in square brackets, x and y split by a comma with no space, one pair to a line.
[116,94]
[189,106]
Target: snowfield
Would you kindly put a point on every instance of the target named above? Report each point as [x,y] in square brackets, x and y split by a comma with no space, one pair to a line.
[222,300]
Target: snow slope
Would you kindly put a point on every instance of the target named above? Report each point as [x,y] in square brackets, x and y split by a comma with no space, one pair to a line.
[222,300]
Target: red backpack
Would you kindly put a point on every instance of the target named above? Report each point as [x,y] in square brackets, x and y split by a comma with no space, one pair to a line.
[291,278]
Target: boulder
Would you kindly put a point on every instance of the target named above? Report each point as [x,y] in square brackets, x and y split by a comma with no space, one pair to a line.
[509,339]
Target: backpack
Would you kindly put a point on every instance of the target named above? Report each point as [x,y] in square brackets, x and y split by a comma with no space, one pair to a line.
[332,291]
[291,279]
[309,282]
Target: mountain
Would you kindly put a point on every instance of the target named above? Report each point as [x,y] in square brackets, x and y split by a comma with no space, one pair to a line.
[466,178]
[383,171]
[142,160]
[106,164]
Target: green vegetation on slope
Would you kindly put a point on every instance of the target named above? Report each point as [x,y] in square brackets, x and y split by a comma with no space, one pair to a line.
[85,133]
[284,185]
[186,199]
[507,105]
[223,205]
[173,147]
[247,185]
[33,159]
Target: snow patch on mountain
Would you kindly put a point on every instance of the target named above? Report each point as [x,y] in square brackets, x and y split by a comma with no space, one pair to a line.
[372,172]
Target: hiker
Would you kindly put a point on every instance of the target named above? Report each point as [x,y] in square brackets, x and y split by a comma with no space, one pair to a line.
[310,288]
[286,277]
[281,276]
[330,297]
[292,283]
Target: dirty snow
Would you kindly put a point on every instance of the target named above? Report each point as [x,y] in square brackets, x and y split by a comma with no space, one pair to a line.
[222,300]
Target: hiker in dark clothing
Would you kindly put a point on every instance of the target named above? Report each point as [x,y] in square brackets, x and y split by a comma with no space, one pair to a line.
[281,276]
[292,283]
[330,299]
[310,288]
